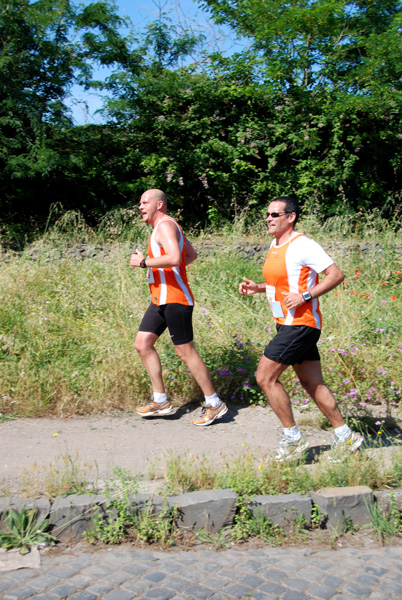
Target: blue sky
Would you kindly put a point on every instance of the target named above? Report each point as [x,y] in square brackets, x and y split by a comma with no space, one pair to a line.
[141,12]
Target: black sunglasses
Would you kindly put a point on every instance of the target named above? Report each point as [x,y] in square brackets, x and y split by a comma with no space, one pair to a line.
[276,214]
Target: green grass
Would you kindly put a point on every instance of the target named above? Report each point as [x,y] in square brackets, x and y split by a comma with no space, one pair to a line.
[249,474]
[68,325]
[387,526]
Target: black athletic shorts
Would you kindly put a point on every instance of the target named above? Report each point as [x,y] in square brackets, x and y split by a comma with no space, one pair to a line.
[178,318]
[293,344]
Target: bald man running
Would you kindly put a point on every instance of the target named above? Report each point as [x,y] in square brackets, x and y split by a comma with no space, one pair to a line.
[172,302]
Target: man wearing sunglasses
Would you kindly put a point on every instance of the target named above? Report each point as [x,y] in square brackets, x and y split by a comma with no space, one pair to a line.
[293,287]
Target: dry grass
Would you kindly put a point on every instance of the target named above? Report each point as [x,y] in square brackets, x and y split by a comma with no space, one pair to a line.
[68,325]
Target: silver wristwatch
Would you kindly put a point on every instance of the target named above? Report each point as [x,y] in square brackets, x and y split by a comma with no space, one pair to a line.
[307,296]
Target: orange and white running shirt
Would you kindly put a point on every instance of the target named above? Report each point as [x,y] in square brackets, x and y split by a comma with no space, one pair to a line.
[294,267]
[169,285]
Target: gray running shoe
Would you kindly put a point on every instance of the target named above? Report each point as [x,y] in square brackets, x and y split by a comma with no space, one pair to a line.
[343,447]
[289,448]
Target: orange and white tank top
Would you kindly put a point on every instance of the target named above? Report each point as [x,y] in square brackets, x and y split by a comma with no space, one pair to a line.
[168,285]
[294,267]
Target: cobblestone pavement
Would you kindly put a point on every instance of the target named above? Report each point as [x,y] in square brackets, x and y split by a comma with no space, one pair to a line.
[258,574]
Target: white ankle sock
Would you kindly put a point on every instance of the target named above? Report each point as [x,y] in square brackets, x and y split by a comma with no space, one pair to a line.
[292,432]
[343,431]
[159,398]
[212,400]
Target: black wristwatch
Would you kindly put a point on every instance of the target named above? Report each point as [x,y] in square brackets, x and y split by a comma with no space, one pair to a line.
[142,264]
[307,296]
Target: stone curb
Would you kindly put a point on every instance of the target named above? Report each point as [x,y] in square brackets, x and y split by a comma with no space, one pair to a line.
[70,517]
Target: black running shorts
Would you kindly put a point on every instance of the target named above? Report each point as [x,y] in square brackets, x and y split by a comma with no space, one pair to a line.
[177,318]
[293,344]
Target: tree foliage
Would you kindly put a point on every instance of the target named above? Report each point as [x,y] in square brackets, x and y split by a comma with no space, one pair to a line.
[312,107]
[353,45]
[46,46]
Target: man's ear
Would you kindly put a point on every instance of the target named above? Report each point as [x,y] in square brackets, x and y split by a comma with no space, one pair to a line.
[292,217]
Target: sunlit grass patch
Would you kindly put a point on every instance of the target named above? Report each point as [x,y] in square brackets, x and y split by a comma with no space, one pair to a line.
[68,322]
[249,474]
[64,476]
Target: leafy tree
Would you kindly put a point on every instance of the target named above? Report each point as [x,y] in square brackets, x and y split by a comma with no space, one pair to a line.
[46,46]
[333,70]
[312,107]
[221,141]
[353,44]
[191,135]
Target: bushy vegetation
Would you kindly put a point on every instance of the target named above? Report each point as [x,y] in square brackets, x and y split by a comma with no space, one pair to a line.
[313,106]
[68,319]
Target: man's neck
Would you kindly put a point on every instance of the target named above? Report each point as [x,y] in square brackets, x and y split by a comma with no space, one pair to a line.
[158,218]
[284,237]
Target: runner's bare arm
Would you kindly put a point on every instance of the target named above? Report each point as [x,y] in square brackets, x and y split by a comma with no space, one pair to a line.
[191,253]
[248,287]
[333,276]
[168,237]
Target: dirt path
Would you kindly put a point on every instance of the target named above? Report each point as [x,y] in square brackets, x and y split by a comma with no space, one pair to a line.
[101,443]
